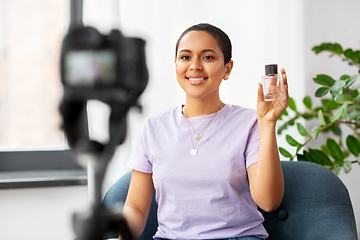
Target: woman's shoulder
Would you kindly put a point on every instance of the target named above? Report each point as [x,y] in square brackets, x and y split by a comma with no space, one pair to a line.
[174,111]
[240,110]
[159,120]
[164,116]
[242,117]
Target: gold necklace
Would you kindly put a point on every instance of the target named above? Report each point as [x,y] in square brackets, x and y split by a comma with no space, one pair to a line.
[198,136]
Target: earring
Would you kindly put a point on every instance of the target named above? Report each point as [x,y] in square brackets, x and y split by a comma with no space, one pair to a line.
[226,77]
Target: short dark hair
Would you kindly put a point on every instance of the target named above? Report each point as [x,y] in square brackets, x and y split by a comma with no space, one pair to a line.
[220,36]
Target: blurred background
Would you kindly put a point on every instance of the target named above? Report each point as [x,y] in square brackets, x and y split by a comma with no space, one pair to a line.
[261,31]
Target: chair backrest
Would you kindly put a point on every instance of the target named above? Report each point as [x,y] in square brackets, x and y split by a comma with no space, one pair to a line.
[316,205]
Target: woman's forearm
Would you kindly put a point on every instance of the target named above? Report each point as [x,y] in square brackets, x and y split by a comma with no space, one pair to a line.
[267,187]
[138,201]
[135,220]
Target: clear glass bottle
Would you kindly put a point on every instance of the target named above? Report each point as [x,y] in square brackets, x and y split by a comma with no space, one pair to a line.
[272,83]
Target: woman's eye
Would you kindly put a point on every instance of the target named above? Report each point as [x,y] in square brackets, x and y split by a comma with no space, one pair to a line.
[185,57]
[208,57]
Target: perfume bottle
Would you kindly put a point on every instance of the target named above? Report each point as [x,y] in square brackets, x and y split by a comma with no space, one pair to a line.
[272,83]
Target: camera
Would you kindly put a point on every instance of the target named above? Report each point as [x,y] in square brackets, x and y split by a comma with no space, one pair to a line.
[109,68]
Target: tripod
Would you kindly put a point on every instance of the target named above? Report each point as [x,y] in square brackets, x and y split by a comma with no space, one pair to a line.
[112,81]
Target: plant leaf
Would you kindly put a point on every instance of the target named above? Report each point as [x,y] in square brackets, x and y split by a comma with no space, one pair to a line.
[337,115]
[330,104]
[353,115]
[345,97]
[345,107]
[302,130]
[315,132]
[291,140]
[345,77]
[347,166]
[348,53]
[308,157]
[321,118]
[355,56]
[308,116]
[329,47]
[338,49]
[353,145]
[298,148]
[322,91]
[335,150]
[354,92]
[324,80]
[357,99]
[336,130]
[292,104]
[325,150]
[285,153]
[300,157]
[338,87]
[321,157]
[307,102]
[336,169]
[317,49]
[351,81]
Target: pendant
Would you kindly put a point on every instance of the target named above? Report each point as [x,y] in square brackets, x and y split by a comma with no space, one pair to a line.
[197,137]
[193,152]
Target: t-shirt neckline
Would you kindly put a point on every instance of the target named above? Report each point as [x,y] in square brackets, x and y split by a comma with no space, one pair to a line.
[203,117]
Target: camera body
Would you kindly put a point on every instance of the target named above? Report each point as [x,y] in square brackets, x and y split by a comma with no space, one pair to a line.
[109,68]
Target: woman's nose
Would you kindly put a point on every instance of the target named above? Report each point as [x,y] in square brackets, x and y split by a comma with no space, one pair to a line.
[196,65]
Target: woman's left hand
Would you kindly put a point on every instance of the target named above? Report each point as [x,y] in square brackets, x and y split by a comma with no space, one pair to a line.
[271,110]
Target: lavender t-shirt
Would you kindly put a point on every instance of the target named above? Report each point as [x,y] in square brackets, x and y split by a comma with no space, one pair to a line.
[205,196]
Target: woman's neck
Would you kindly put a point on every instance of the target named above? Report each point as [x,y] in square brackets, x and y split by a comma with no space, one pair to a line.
[195,108]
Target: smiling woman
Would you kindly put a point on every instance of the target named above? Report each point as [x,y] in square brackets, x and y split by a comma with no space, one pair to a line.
[221,151]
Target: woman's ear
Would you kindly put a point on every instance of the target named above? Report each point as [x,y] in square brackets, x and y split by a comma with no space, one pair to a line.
[228,67]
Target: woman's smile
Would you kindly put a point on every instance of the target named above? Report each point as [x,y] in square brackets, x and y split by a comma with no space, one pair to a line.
[196,80]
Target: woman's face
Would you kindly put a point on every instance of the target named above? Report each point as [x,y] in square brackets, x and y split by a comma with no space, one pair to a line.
[200,65]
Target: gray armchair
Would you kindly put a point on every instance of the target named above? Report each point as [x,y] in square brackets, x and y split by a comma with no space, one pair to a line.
[316,205]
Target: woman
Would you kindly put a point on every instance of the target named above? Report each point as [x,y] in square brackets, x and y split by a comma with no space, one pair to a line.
[211,163]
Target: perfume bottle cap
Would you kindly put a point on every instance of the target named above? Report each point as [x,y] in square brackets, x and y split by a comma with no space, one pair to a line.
[271,69]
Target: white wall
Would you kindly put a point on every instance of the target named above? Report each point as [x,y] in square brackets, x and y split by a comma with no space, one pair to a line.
[40,213]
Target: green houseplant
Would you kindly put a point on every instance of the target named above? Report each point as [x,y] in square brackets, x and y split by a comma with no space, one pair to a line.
[340,105]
